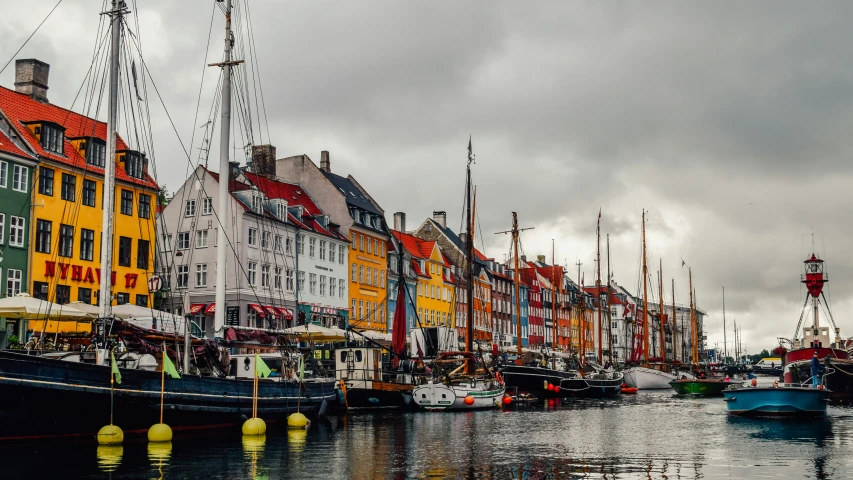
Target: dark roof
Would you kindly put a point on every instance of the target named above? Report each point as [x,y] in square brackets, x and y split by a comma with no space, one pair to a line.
[353,194]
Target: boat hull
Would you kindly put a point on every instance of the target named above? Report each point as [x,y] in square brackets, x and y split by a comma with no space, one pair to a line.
[698,387]
[380,395]
[643,378]
[838,378]
[535,380]
[47,397]
[777,402]
[440,397]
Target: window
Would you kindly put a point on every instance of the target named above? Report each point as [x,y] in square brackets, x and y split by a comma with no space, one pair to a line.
[361,243]
[300,281]
[201,275]
[96,152]
[354,270]
[142,252]
[341,285]
[207,206]
[266,237]
[311,243]
[66,241]
[46,181]
[300,244]
[253,237]
[183,276]
[20,178]
[142,301]
[369,250]
[382,278]
[288,246]
[124,248]
[332,285]
[289,279]
[341,255]
[252,274]
[361,274]
[89,193]
[43,234]
[323,285]
[133,165]
[265,276]
[63,294]
[382,250]
[84,295]
[13,282]
[420,291]
[16,231]
[312,283]
[354,246]
[375,277]
[331,252]
[353,308]
[251,317]
[375,247]
[277,278]
[257,202]
[87,244]
[4,174]
[201,239]
[361,309]
[322,249]
[52,139]
[122,298]
[69,185]
[277,244]
[189,208]
[126,202]
[2,225]
[281,211]
[144,206]
[183,240]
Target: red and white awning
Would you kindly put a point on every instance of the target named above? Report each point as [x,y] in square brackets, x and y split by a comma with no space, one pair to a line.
[211,309]
[195,308]
[285,313]
[258,309]
[271,310]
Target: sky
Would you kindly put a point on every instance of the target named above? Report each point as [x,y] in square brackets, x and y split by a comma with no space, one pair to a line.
[727,122]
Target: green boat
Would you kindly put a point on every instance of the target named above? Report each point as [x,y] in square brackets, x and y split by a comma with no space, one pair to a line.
[705,387]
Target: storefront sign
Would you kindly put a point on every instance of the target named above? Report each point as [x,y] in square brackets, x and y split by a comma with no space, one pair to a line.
[232,317]
[89,275]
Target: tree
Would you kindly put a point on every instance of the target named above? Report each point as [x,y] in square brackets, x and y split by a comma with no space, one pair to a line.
[755,358]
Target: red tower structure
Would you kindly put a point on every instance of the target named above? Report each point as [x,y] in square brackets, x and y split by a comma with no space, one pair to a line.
[814,278]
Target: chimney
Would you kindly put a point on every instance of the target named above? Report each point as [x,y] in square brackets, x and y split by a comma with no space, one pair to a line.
[524,258]
[400,221]
[325,164]
[263,160]
[233,170]
[440,218]
[540,258]
[31,78]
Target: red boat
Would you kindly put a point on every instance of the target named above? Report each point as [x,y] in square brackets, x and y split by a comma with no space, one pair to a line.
[816,340]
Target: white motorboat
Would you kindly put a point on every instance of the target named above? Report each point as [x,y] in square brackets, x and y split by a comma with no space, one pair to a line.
[643,378]
[471,395]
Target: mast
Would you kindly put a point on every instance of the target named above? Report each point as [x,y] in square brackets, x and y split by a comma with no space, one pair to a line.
[693,352]
[696,351]
[224,174]
[581,329]
[609,317]
[553,306]
[725,346]
[517,281]
[662,322]
[105,299]
[469,266]
[674,325]
[598,286]
[645,294]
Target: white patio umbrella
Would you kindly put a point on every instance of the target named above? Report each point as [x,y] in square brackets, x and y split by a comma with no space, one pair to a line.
[92,310]
[23,305]
[316,333]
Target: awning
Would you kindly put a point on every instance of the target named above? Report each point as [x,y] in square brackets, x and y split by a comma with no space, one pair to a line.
[258,309]
[195,308]
[285,313]
[271,310]
[211,309]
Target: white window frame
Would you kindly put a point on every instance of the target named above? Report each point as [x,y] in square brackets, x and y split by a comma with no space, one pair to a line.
[17,225]
[201,237]
[182,272]
[266,236]
[207,206]
[4,174]
[20,177]
[186,236]
[252,274]
[189,209]
[13,281]
[200,274]
[253,237]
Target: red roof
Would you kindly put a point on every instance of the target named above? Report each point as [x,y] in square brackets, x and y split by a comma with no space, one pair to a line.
[598,291]
[8,146]
[291,192]
[21,109]
[415,246]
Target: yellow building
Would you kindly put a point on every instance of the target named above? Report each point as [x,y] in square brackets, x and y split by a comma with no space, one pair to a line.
[368,286]
[67,215]
[435,284]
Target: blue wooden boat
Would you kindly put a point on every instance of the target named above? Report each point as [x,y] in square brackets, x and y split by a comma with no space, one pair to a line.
[782,400]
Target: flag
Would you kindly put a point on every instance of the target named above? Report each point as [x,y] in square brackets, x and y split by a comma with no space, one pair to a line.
[470,149]
[169,367]
[683,263]
[114,368]
[301,368]
[261,368]
[420,351]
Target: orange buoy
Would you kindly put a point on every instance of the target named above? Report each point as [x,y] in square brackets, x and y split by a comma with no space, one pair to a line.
[624,384]
[469,400]
[629,390]
[556,389]
[550,387]
[507,400]
[754,382]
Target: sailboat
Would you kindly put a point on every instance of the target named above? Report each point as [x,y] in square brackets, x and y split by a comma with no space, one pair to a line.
[68,392]
[532,378]
[458,384]
[642,377]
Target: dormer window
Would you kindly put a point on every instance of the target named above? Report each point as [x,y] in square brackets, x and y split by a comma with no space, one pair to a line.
[52,138]
[96,151]
[133,164]
[281,211]
[363,218]
[257,202]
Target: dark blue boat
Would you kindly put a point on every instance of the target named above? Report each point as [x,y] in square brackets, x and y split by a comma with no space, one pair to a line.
[40,396]
[784,400]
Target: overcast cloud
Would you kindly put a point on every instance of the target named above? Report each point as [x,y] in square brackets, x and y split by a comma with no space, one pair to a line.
[728,121]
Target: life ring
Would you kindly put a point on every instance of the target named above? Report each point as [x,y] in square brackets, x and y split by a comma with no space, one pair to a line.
[499,378]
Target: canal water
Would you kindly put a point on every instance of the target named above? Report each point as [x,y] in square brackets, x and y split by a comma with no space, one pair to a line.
[649,435]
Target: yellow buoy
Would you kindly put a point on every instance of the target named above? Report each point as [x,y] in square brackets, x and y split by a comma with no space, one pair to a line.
[110,435]
[160,432]
[297,420]
[254,426]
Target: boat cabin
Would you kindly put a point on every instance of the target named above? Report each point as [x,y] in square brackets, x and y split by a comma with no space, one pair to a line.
[358,363]
[243,365]
[813,337]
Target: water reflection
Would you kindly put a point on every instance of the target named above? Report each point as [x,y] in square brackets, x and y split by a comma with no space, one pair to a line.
[109,457]
[159,454]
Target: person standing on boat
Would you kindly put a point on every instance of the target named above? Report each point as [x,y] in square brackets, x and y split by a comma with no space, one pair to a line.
[815,371]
